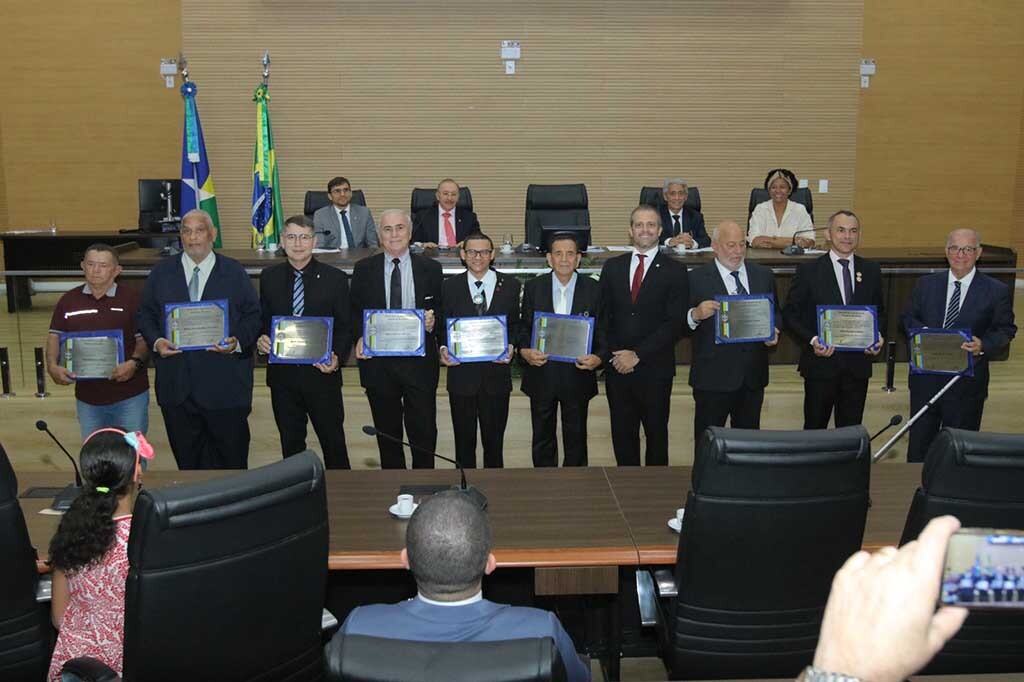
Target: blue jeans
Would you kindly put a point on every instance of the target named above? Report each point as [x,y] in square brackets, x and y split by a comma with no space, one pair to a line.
[130,414]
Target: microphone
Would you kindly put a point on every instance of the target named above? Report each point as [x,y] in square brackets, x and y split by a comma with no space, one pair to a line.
[65,497]
[475,495]
[895,421]
[793,249]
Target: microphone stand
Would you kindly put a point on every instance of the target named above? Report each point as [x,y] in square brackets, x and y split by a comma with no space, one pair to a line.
[63,500]
[793,249]
[906,427]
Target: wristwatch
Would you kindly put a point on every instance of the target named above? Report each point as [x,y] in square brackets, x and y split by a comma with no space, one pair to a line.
[812,674]
[139,364]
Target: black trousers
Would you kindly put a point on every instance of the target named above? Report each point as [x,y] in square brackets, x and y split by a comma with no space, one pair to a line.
[742,407]
[325,410]
[208,439]
[846,394]
[543,415]
[961,410]
[491,412]
[416,406]
[632,403]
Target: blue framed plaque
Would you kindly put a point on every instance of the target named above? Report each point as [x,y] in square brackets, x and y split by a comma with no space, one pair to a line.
[848,327]
[91,355]
[394,333]
[196,326]
[746,318]
[563,337]
[938,351]
[481,338]
[300,340]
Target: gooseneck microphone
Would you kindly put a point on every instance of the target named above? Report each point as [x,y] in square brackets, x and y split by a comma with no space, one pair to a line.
[474,494]
[793,249]
[896,420]
[65,497]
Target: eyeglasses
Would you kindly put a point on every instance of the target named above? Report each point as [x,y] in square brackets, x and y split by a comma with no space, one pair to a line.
[298,237]
[961,250]
[478,253]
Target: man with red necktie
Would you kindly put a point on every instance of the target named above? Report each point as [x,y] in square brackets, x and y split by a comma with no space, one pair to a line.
[444,225]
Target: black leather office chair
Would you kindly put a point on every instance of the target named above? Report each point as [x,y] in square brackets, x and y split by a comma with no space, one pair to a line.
[425,198]
[554,205]
[358,658]
[24,627]
[227,577]
[654,196]
[801,195]
[315,200]
[978,478]
[770,518]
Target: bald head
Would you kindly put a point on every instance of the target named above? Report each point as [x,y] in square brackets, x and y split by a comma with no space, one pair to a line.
[729,244]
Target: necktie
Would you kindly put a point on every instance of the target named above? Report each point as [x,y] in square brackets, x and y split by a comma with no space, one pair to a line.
[847,281]
[740,289]
[298,295]
[638,278]
[349,242]
[396,286]
[480,299]
[449,230]
[193,285]
[677,226]
[953,310]
[562,308]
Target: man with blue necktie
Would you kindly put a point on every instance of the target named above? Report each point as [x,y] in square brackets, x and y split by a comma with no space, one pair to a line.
[342,224]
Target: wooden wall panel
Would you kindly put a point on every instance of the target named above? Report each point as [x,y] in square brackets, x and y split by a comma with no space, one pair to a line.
[1017,224]
[396,94]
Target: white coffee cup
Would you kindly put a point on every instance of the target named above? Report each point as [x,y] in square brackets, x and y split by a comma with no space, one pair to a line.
[404,503]
[679,514]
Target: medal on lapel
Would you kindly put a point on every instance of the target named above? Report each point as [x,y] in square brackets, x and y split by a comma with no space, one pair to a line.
[860,278]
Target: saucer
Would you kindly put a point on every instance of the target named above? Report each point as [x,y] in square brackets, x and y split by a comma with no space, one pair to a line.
[394,511]
[673,523]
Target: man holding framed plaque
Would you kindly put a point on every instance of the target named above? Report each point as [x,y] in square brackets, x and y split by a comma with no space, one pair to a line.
[401,386]
[733,311]
[551,384]
[93,344]
[205,395]
[479,377]
[836,369]
[306,319]
[958,299]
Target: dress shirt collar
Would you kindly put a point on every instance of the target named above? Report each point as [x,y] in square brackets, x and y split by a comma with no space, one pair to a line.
[556,284]
[727,277]
[651,252]
[204,267]
[965,283]
[836,258]
[489,279]
[404,259]
[112,291]
[479,596]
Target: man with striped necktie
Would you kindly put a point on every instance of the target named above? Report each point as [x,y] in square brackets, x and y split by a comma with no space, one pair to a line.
[305,286]
[958,298]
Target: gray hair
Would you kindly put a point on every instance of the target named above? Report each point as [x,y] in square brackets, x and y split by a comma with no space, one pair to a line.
[674,181]
[977,235]
[717,231]
[202,215]
[845,212]
[405,216]
[448,540]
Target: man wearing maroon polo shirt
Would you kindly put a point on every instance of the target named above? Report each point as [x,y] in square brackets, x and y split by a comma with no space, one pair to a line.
[123,399]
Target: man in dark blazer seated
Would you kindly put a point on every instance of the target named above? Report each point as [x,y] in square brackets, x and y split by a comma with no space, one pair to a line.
[551,384]
[399,388]
[448,550]
[681,225]
[443,225]
[342,224]
[959,298]
[303,286]
[478,392]
[728,379]
[644,296]
[205,395]
[834,379]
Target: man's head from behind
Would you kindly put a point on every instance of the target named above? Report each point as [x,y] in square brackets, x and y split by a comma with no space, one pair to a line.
[448,547]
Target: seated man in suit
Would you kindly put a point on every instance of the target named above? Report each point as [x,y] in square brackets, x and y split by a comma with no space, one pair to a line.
[342,224]
[680,223]
[304,286]
[479,391]
[443,225]
[205,395]
[552,384]
[728,379]
[960,298]
[448,550]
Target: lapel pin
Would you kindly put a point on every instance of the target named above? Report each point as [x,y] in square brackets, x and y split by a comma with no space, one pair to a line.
[859,278]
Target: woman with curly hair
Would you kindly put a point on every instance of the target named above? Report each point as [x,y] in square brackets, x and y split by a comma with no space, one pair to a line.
[774,222]
[89,553]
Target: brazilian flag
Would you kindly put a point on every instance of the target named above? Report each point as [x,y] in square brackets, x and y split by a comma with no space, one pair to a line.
[267,212]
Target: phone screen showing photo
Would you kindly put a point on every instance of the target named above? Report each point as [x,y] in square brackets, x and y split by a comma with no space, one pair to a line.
[984,569]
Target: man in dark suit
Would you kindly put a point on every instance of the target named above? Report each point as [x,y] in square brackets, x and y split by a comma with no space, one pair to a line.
[551,384]
[399,388]
[478,392]
[342,224]
[681,225]
[834,379]
[205,395]
[960,298]
[443,225]
[644,295]
[305,286]
[728,379]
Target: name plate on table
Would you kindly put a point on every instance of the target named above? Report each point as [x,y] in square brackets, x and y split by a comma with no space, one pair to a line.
[563,337]
[300,340]
[938,351]
[848,327]
[477,339]
[196,326]
[91,355]
[745,319]
[394,333]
